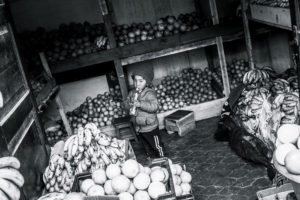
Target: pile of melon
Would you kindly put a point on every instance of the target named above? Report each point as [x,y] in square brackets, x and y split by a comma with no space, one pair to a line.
[287,151]
[132,181]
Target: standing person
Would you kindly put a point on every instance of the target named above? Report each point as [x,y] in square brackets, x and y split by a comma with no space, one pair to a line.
[143,105]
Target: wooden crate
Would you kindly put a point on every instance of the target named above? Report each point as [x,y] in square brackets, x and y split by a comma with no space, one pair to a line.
[270,193]
[108,130]
[181,121]
[202,111]
[274,16]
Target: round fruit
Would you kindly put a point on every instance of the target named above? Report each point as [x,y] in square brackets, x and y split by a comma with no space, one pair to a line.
[173,169]
[132,188]
[141,195]
[113,170]
[147,170]
[157,175]
[108,188]
[125,196]
[95,190]
[186,177]
[99,176]
[186,188]
[74,196]
[288,133]
[141,181]
[282,151]
[156,189]
[178,169]
[178,190]
[120,184]
[278,143]
[86,184]
[141,168]
[292,162]
[130,168]
[166,175]
[155,168]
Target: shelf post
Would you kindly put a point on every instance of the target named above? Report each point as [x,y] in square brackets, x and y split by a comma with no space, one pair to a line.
[220,48]
[121,78]
[247,34]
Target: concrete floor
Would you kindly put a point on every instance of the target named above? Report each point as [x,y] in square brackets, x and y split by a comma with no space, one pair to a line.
[218,173]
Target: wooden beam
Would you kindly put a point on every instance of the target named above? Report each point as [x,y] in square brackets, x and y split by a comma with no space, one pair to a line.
[247,34]
[63,115]
[121,78]
[214,11]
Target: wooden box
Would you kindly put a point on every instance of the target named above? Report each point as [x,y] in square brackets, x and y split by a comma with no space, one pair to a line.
[271,193]
[275,16]
[181,121]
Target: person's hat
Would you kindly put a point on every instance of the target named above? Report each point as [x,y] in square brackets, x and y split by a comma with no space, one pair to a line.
[145,72]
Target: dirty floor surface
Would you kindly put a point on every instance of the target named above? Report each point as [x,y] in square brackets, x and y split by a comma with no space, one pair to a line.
[218,173]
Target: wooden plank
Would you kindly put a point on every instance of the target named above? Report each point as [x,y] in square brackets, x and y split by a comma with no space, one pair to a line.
[214,11]
[63,115]
[202,111]
[121,78]
[247,34]
[45,64]
[169,51]
[15,142]
[270,24]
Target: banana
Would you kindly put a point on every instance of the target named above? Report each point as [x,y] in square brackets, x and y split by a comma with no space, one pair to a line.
[10,189]
[9,162]
[68,168]
[70,148]
[94,159]
[113,155]
[58,171]
[53,196]
[290,112]
[88,137]
[61,162]
[74,147]
[245,78]
[56,187]
[59,178]
[105,150]
[68,141]
[87,162]
[81,149]
[3,196]
[66,188]
[90,151]
[105,158]
[64,177]
[12,175]
[80,136]
[83,166]
[95,133]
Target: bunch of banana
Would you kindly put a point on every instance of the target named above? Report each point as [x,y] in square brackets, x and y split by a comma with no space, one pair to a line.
[293,83]
[53,196]
[10,178]
[255,78]
[101,41]
[290,108]
[280,86]
[58,175]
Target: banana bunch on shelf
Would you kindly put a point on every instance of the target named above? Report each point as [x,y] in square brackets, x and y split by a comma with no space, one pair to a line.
[255,78]
[88,150]
[58,175]
[280,86]
[10,179]
[290,108]
[101,42]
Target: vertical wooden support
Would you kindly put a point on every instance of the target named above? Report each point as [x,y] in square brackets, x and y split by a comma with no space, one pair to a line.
[107,22]
[57,98]
[247,34]
[295,19]
[121,78]
[220,48]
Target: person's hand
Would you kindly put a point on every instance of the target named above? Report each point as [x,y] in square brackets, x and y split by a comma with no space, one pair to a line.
[10,178]
[137,104]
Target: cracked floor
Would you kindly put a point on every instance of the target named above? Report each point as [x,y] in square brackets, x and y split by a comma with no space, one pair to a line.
[218,173]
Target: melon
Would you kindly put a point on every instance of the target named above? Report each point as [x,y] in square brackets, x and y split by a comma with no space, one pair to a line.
[132,188]
[141,168]
[99,176]
[130,168]
[112,171]
[141,195]
[108,188]
[74,196]
[288,133]
[86,184]
[120,184]
[141,181]
[282,151]
[178,169]
[186,188]
[186,177]
[156,189]
[277,142]
[166,175]
[147,170]
[157,175]
[95,190]
[125,196]
[178,190]
[173,169]
[292,162]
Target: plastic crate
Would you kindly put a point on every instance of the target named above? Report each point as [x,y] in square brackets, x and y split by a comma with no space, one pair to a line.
[181,121]
[275,192]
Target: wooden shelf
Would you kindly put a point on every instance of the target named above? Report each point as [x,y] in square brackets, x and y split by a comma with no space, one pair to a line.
[271,16]
[154,48]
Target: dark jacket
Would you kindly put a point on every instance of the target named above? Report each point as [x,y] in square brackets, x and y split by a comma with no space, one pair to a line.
[146,118]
